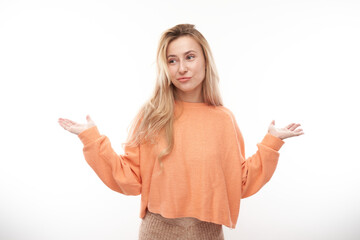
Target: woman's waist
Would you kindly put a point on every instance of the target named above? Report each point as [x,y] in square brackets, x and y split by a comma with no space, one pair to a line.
[182,221]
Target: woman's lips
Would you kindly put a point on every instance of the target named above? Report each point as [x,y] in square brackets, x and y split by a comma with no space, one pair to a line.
[184,79]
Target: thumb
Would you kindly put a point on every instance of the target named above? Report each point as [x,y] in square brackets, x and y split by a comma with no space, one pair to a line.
[271,125]
[88,118]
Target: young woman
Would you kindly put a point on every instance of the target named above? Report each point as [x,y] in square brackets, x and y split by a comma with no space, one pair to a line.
[185,152]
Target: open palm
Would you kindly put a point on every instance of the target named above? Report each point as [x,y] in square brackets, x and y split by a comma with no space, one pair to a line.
[286,132]
[75,127]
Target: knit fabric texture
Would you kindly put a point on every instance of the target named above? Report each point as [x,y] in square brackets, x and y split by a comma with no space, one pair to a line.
[205,176]
[154,226]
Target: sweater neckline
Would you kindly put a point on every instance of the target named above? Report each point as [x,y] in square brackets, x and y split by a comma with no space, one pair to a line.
[191,104]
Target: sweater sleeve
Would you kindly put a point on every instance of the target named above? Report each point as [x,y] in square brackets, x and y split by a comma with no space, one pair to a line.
[120,173]
[258,168]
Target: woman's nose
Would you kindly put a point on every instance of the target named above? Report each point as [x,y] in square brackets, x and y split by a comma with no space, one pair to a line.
[183,67]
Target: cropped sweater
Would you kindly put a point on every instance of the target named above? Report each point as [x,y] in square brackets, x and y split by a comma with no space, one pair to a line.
[206,174]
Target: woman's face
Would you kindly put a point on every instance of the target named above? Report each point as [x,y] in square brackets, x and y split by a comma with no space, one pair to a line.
[186,59]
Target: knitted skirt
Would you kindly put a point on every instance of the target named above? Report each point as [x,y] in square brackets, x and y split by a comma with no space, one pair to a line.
[156,227]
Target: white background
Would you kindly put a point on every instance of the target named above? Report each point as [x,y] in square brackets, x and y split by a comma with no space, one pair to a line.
[291,61]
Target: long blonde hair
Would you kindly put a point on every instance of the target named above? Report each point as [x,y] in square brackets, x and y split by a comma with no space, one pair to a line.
[157,114]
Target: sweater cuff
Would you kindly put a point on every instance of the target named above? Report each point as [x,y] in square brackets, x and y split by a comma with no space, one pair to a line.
[89,135]
[272,141]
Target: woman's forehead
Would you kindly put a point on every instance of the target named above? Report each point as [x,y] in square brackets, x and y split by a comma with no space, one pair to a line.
[183,45]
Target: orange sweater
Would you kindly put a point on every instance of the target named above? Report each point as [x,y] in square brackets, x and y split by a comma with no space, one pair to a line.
[205,176]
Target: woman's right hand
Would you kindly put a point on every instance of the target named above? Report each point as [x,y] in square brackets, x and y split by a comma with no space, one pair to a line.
[75,127]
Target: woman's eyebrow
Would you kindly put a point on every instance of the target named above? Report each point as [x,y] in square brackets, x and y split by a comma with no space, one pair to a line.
[184,53]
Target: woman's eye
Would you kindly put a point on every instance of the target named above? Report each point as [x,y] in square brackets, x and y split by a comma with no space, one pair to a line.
[172,60]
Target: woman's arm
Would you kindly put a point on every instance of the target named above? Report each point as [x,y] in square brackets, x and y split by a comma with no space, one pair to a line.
[259,168]
[120,173]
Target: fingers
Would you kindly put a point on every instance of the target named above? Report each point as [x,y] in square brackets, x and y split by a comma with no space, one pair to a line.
[71,121]
[66,123]
[293,131]
[290,125]
[293,127]
[64,120]
[299,132]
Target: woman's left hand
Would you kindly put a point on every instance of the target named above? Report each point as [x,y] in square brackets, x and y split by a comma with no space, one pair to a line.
[286,132]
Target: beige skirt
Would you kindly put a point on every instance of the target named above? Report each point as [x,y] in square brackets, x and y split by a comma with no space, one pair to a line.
[156,227]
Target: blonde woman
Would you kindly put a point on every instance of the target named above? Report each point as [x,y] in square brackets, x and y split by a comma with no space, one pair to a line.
[185,152]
